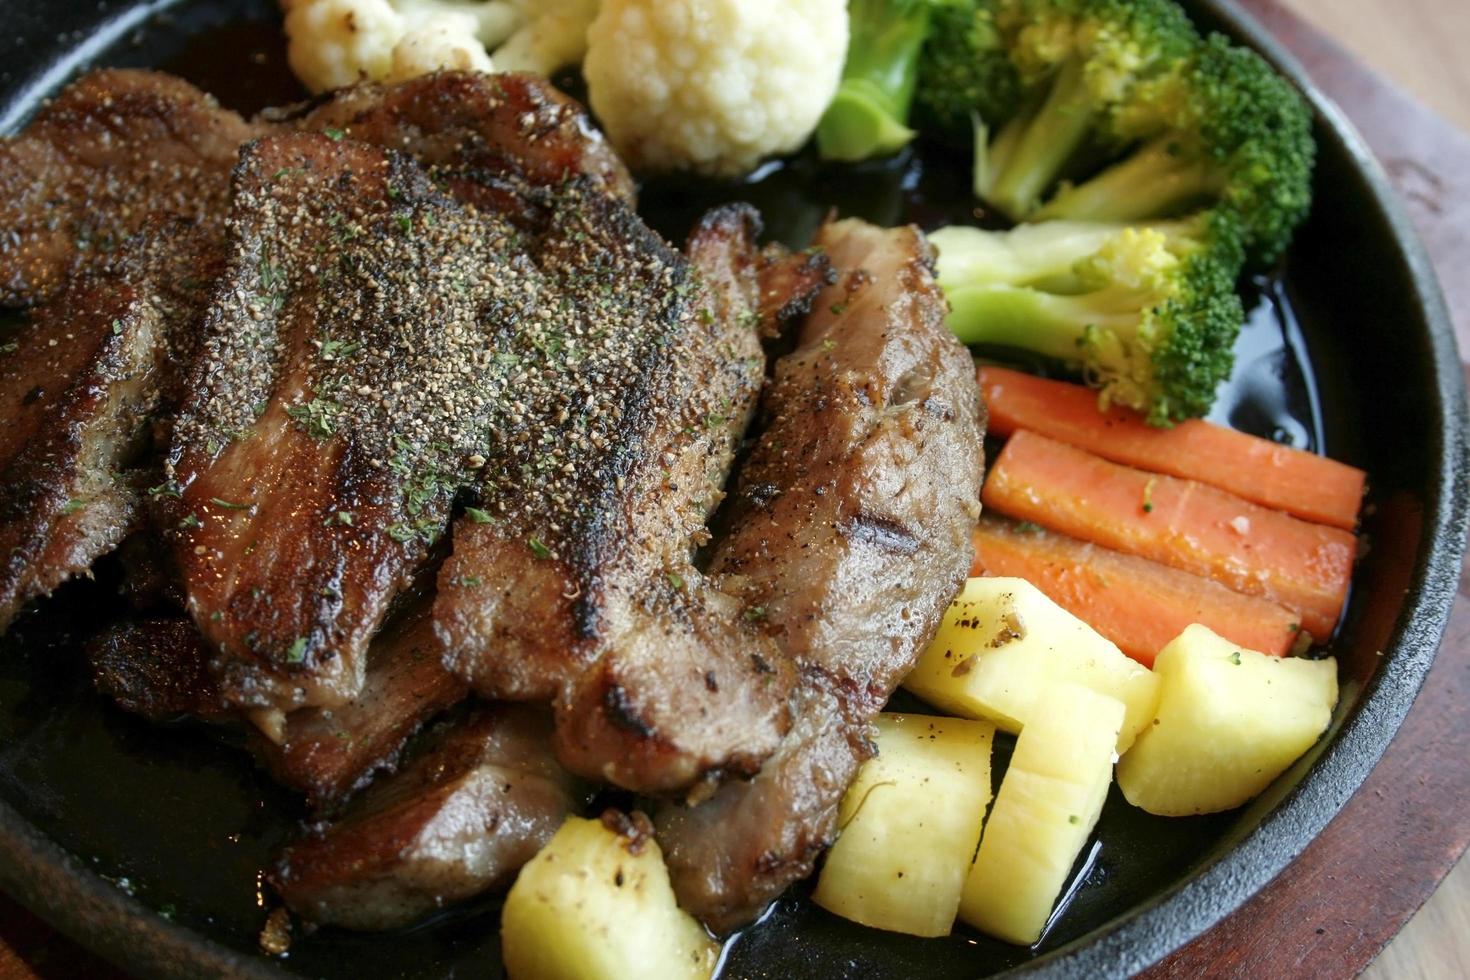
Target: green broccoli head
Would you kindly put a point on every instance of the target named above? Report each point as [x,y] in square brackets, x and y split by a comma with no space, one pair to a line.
[1226,132]
[1077,60]
[965,70]
[1169,363]
[1148,314]
[1259,128]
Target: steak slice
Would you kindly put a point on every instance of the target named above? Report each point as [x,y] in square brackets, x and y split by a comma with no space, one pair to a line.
[577,583]
[116,150]
[81,379]
[688,690]
[461,818]
[330,753]
[345,378]
[159,669]
[486,137]
[77,383]
[850,534]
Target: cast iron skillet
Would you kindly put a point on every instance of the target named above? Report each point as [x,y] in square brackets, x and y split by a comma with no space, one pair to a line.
[143,843]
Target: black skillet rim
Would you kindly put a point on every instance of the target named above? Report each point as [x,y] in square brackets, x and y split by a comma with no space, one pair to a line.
[73,898]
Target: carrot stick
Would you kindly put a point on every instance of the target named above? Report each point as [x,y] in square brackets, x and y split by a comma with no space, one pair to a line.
[1312,487]
[1138,604]
[1188,525]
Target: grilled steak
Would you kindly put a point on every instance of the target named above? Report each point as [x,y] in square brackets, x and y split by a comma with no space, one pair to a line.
[82,379]
[485,137]
[581,589]
[76,386]
[435,296]
[156,668]
[343,383]
[121,148]
[850,533]
[117,150]
[461,818]
[329,753]
[79,380]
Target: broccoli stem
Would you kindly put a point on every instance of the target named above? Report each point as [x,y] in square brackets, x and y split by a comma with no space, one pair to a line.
[1157,180]
[993,156]
[1036,148]
[868,117]
[1043,255]
[1052,326]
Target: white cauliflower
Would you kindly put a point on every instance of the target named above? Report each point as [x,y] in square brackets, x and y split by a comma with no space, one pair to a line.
[334,43]
[713,85]
[554,38]
[440,41]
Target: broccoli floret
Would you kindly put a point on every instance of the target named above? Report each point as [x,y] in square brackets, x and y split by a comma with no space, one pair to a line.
[1228,132]
[868,117]
[1147,313]
[1078,61]
[965,70]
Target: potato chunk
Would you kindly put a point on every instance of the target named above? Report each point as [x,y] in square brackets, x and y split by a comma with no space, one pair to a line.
[595,903]
[909,826]
[1048,803]
[1229,722]
[1003,642]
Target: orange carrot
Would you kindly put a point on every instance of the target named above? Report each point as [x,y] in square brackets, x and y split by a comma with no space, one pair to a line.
[1197,528]
[1138,604]
[1312,487]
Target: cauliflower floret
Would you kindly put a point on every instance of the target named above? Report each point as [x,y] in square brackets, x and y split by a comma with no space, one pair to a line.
[441,41]
[334,43]
[713,85]
[555,36]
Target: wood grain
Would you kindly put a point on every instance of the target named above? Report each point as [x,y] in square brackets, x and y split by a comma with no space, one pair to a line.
[1419,44]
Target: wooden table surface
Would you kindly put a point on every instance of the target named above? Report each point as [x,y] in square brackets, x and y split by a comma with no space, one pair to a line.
[1421,45]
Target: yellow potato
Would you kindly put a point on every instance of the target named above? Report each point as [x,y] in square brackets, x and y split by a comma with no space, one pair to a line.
[595,904]
[1003,643]
[1229,722]
[909,826]
[1048,803]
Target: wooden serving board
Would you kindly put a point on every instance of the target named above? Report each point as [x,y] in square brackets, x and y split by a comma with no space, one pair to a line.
[1334,908]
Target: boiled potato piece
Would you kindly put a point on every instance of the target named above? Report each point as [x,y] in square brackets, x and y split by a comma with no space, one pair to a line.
[909,826]
[1048,803]
[595,903]
[1229,722]
[1003,643]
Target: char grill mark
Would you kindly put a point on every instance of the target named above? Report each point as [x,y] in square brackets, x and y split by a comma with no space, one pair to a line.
[850,531]
[472,806]
[116,151]
[343,385]
[486,137]
[589,597]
